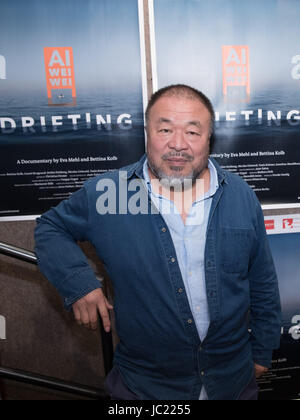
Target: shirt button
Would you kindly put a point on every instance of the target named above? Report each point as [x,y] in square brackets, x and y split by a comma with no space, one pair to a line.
[164,230]
[173,259]
[190,321]
[202,373]
[180,290]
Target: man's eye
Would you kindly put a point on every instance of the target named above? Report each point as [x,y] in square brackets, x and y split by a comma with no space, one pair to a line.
[164,130]
[193,133]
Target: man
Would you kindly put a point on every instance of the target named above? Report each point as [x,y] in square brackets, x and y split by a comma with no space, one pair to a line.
[196,295]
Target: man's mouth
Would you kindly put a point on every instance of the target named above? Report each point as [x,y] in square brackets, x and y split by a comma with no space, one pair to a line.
[177,160]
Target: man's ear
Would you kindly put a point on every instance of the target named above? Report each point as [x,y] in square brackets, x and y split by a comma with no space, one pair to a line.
[212,143]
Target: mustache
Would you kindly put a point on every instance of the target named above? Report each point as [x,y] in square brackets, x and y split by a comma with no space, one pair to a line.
[178,155]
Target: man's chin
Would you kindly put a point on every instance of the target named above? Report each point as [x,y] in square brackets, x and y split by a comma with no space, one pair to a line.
[175,174]
[177,171]
[177,184]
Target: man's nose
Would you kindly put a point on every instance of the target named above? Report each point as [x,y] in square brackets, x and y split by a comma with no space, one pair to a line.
[178,141]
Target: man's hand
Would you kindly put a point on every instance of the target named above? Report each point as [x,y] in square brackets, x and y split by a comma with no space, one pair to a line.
[86,310]
[259,370]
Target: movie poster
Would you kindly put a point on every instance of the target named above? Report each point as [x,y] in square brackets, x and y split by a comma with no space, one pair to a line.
[282,381]
[245,56]
[71,97]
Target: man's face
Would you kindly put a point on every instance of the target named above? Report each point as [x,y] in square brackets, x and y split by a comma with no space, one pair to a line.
[178,138]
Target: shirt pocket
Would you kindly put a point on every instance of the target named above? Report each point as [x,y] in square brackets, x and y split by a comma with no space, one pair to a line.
[236,249]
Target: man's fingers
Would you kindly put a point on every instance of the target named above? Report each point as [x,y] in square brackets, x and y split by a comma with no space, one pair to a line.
[260,370]
[84,316]
[77,315]
[93,316]
[108,305]
[86,310]
[102,308]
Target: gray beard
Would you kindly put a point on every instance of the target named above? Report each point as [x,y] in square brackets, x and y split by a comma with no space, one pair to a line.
[177,183]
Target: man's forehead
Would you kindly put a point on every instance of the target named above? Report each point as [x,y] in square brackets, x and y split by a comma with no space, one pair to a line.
[166,106]
[163,120]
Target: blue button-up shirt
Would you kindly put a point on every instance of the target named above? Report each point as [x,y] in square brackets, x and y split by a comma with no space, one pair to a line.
[189,240]
[160,354]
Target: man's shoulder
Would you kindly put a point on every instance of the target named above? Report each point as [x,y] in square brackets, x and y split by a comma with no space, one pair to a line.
[236,179]
[238,186]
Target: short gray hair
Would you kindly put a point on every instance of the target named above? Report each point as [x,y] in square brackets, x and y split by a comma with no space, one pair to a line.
[182,91]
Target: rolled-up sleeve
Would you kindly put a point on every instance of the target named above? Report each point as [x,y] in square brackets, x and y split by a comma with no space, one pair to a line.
[60,258]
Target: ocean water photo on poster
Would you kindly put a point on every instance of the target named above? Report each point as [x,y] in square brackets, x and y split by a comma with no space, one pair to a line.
[104,37]
[254,46]
[189,49]
[96,116]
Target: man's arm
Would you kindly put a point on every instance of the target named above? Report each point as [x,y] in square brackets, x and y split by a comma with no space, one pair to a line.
[64,264]
[265,322]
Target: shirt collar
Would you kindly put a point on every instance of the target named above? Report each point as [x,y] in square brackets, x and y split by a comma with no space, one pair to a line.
[137,169]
